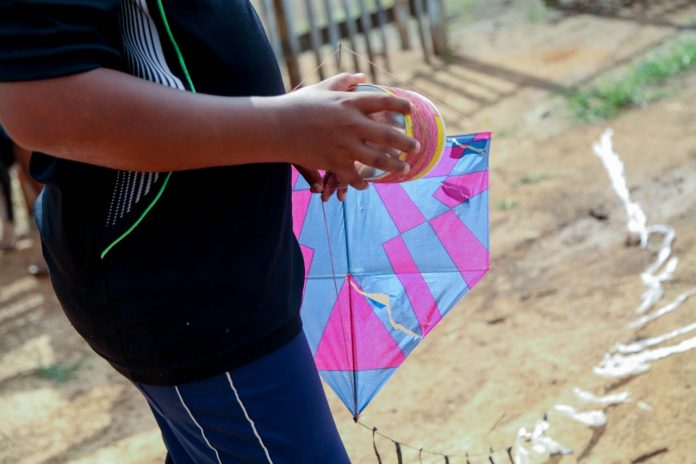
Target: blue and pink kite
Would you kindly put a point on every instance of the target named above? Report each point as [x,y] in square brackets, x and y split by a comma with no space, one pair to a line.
[384,267]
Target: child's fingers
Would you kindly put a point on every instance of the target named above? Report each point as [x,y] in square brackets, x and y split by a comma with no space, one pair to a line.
[378,159]
[388,136]
[343,82]
[312,177]
[374,103]
[330,185]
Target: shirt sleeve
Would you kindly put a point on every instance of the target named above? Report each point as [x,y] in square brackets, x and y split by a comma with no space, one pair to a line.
[40,39]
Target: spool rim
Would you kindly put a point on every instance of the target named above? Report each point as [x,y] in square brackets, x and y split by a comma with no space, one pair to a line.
[409,130]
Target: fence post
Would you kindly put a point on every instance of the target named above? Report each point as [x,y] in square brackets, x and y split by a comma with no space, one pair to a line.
[334,36]
[272,22]
[401,16]
[423,22]
[438,22]
[286,31]
[381,23]
[314,37]
[352,33]
[366,29]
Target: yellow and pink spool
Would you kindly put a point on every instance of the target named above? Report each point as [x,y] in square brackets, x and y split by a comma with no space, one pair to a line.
[424,123]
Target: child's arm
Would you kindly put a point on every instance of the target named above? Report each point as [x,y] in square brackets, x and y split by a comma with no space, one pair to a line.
[108,118]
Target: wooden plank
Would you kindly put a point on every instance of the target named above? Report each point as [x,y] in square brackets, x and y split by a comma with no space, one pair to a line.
[332,30]
[352,33]
[314,37]
[381,24]
[286,31]
[423,23]
[438,22]
[342,29]
[272,23]
[366,28]
[401,16]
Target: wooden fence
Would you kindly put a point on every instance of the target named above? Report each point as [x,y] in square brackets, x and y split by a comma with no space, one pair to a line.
[296,27]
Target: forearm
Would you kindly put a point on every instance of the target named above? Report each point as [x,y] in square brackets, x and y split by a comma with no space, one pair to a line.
[107,118]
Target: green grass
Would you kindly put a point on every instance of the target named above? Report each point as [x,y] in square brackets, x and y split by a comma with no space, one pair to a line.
[639,86]
[535,10]
[532,178]
[58,372]
[507,204]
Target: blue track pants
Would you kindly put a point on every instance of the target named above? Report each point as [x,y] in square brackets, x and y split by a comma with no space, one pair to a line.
[272,410]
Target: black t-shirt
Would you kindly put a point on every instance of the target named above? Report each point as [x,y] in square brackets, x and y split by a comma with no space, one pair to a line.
[171,278]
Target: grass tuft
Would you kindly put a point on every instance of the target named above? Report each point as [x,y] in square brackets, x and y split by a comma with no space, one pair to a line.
[507,204]
[637,88]
[532,178]
[58,372]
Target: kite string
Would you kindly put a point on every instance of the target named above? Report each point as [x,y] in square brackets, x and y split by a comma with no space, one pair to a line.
[490,454]
[398,444]
[395,77]
[338,299]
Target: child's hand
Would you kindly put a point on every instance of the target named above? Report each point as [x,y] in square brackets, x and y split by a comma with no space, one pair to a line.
[325,126]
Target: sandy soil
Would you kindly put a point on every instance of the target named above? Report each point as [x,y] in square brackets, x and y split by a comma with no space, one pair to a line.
[562,286]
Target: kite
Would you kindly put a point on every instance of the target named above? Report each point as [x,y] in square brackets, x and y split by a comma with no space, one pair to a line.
[386,265]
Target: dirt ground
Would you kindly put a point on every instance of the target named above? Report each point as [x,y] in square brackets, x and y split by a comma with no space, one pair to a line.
[561,290]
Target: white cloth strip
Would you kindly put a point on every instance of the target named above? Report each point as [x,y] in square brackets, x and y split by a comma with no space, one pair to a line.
[217,455]
[540,443]
[615,365]
[666,309]
[640,345]
[636,217]
[595,418]
[251,422]
[637,223]
[606,400]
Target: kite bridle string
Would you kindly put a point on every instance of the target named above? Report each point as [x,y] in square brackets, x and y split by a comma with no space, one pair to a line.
[339,50]
[338,305]
[420,450]
[354,377]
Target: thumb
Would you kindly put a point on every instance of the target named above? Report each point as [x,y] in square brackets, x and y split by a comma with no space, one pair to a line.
[344,82]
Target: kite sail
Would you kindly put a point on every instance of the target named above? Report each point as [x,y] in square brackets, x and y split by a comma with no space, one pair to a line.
[384,267]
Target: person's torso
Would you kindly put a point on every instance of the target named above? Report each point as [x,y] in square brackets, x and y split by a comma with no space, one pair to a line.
[167,269]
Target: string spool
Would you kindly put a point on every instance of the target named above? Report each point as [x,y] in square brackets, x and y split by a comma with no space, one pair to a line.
[424,123]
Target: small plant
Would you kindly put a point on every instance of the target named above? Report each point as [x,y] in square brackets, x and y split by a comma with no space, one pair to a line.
[532,178]
[637,88]
[58,372]
[536,11]
[507,132]
[506,204]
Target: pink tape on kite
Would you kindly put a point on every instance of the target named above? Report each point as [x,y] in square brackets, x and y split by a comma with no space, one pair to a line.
[449,160]
[467,252]
[458,189]
[307,256]
[417,290]
[402,209]
[300,204]
[335,350]
[482,136]
[295,175]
